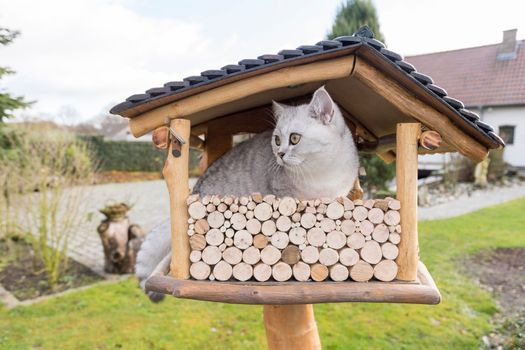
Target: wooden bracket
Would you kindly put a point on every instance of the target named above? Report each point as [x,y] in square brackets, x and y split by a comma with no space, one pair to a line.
[177,141]
[160,137]
[430,140]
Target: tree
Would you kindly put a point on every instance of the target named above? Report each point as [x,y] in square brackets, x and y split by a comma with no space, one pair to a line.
[9,103]
[352,15]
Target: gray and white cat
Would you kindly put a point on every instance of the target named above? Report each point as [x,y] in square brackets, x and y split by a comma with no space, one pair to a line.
[309,154]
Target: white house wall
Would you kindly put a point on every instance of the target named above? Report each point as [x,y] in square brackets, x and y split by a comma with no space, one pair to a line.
[496,116]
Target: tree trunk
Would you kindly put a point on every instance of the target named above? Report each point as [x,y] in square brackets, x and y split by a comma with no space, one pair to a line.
[121,242]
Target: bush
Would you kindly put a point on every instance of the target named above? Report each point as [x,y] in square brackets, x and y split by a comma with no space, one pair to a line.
[41,169]
[125,155]
[132,156]
[378,174]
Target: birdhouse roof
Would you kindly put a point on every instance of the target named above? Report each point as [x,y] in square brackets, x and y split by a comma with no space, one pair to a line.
[374,87]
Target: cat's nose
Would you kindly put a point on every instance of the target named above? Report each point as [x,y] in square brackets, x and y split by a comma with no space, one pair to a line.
[281,154]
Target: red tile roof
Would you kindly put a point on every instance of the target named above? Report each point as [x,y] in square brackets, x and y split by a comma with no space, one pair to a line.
[474,75]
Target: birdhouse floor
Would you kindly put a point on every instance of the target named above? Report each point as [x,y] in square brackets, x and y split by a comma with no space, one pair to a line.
[422,291]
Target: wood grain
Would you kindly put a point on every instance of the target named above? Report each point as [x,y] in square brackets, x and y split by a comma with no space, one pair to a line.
[175,172]
[409,105]
[422,291]
[292,76]
[263,229]
[406,177]
[291,327]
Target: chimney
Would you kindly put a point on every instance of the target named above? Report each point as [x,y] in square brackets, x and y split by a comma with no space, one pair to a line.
[508,47]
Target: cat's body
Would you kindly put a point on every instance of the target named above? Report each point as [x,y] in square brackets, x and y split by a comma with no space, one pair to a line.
[309,154]
[251,167]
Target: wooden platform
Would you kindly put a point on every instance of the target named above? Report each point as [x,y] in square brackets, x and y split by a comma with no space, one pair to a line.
[423,291]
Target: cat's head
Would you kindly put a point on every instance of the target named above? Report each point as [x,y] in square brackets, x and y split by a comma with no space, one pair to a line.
[303,133]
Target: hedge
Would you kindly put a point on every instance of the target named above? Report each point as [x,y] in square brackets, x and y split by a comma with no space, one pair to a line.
[131,156]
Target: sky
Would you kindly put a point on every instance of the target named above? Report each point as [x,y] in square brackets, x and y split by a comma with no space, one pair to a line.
[77,58]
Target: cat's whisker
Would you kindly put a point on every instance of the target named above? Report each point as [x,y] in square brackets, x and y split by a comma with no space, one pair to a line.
[308,172]
[273,117]
[290,170]
[302,172]
[297,178]
[273,169]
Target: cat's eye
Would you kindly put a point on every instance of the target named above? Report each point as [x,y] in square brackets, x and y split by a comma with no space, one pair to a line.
[277,140]
[295,138]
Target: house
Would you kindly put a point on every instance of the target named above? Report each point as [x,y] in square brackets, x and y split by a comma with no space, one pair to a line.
[114,129]
[490,80]
[122,133]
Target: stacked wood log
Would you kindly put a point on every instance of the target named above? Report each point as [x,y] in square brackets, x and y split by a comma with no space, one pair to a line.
[264,238]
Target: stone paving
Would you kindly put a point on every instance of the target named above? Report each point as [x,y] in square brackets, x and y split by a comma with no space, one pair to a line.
[151,206]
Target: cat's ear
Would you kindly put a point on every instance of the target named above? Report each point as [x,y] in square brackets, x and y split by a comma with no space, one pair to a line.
[322,106]
[278,109]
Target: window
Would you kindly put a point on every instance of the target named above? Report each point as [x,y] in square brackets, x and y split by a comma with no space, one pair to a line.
[506,132]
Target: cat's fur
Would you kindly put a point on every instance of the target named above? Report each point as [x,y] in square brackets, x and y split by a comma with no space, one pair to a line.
[324,163]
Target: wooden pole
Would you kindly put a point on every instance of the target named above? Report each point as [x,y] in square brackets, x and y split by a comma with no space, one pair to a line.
[176,174]
[406,174]
[291,327]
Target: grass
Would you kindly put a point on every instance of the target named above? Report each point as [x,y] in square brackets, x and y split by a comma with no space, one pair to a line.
[119,316]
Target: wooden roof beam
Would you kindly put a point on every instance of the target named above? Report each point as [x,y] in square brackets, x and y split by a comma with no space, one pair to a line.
[285,77]
[409,105]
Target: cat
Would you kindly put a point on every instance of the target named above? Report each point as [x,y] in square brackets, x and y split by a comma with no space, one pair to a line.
[309,154]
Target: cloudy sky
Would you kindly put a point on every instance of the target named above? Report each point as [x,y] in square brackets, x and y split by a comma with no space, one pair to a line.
[77,58]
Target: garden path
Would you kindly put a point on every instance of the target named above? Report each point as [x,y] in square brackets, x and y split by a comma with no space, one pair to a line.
[466,204]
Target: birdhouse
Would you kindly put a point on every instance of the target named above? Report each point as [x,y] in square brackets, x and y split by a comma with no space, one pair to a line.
[259,249]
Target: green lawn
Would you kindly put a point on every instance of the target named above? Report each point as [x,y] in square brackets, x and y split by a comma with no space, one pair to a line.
[119,316]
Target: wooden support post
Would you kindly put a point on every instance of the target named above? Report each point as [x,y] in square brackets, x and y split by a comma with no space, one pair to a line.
[217,146]
[176,174]
[218,142]
[406,174]
[290,327]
